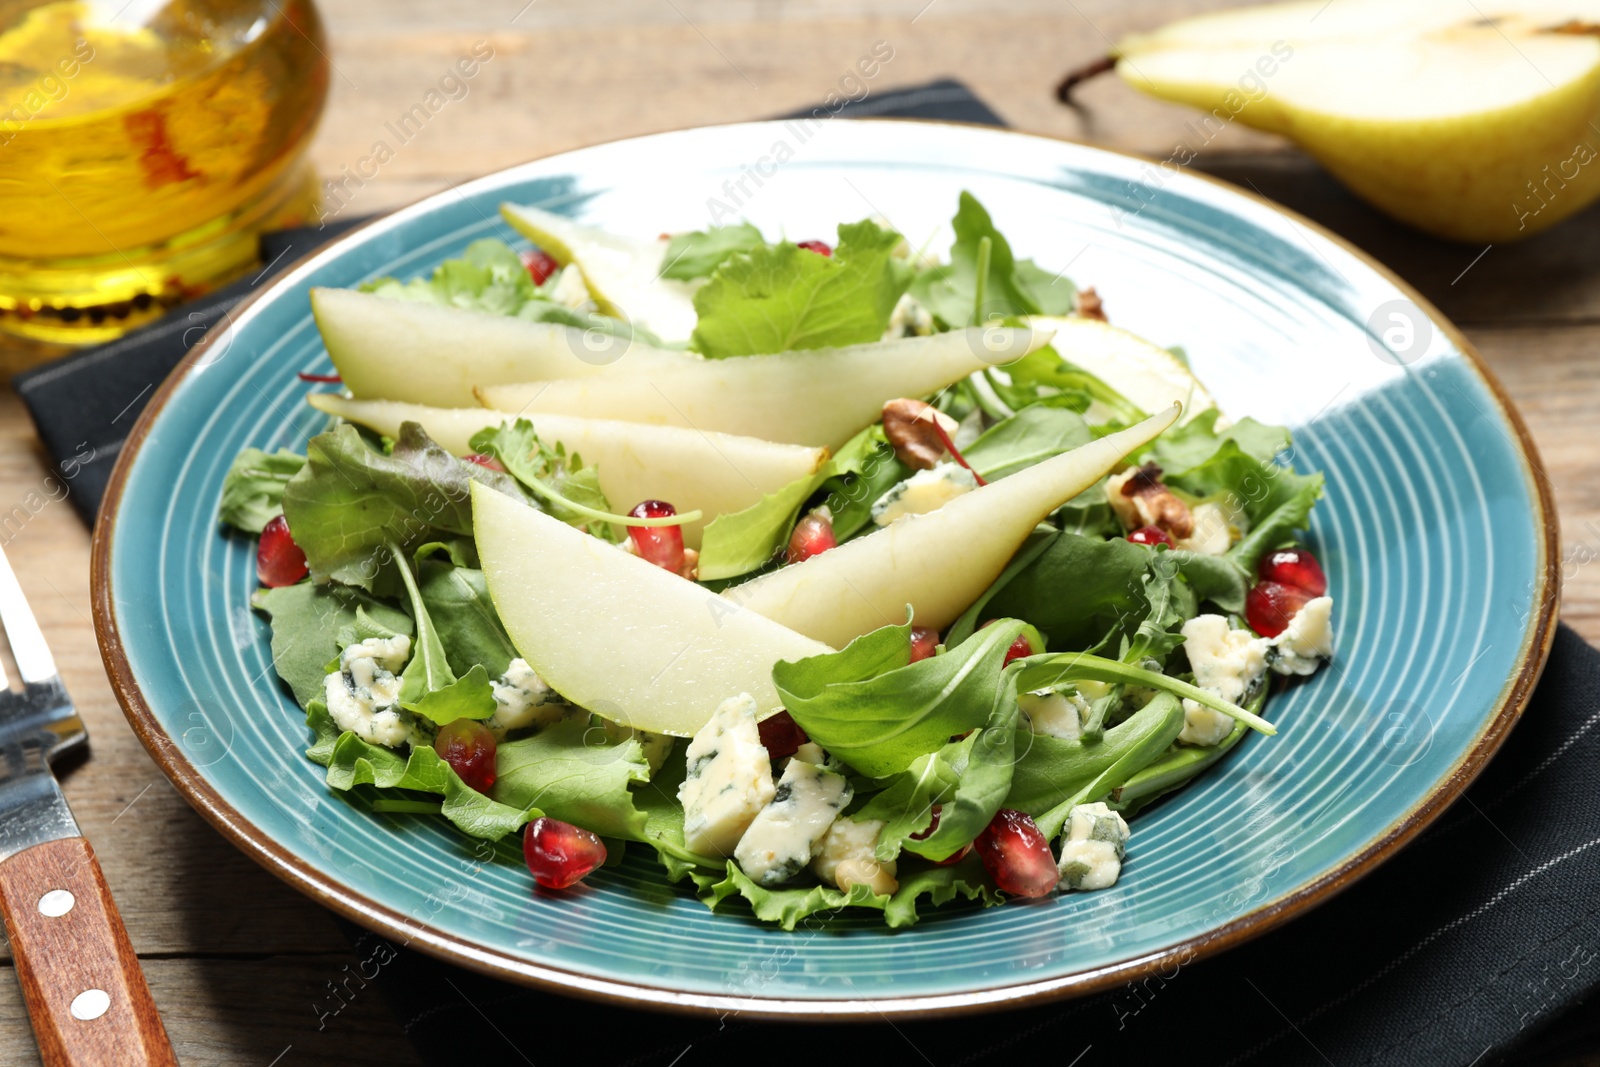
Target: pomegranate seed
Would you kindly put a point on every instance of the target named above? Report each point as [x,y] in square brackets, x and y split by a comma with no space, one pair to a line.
[1295,567]
[469,748]
[813,535]
[924,642]
[485,461]
[819,247]
[1016,855]
[1019,649]
[540,265]
[781,736]
[661,545]
[323,379]
[1150,535]
[953,858]
[279,560]
[1269,606]
[560,854]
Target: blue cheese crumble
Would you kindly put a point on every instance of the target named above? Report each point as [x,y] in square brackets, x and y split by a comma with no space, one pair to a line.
[785,834]
[523,699]
[363,694]
[846,857]
[923,492]
[1096,842]
[1054,714]
[729,779]
[1307,640]
[1228,662]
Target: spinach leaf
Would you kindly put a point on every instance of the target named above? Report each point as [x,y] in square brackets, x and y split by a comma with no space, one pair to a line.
[983,280]
[310,623]
[775,298]
[1077,590]
[1031,436]
[350,501]
[1050,771]
[428,687]
[252,491]
[571,771]
[876,711]
[967,779]
[457,600]
[698,254]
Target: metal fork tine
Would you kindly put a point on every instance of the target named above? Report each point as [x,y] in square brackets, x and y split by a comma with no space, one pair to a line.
[27,643]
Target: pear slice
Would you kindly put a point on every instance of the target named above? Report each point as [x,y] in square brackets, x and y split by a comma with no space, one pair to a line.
[617,635]
[714,473]
[1472,121]
[940,562]
[622,274]
[430,354]
[817,397]
[1151,377]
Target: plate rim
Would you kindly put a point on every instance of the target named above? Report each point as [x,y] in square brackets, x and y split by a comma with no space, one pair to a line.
[409,933]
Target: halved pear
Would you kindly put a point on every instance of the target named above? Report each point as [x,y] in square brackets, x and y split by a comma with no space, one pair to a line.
[818,397]
[938,563]
[430,354]
[619,636]
[622,274]
[1473,121]
[715,473]
[1151,377]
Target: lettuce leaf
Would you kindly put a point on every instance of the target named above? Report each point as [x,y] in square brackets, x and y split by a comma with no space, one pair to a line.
[252,491]
[775,298]
[488,276]
[870,707]
[699,254]
[351,501]
[571,771]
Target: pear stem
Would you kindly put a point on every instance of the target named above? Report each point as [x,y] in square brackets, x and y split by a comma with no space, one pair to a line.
[1083,74]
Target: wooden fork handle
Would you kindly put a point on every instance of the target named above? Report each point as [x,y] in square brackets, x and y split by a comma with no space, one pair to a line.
[86,995]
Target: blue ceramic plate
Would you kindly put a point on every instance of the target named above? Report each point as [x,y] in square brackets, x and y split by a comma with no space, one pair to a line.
[1436,535]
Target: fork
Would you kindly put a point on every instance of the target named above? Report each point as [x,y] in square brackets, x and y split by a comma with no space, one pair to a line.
[86,995]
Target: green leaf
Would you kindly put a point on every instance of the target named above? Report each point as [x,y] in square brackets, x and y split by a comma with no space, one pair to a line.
[1050,771]
[457,599]
[788,907]
[489,276]
[968,779]
[351,501]
[352,762]
[307,623]
[698,254]
[741,541]
[775,298]
[1077,590]
[1049,671]
[252,491]
[984,280]
[428,687]
[877,712]
[1043,377]
[663,818]
[1031,436]
[1170,603]
[571,771]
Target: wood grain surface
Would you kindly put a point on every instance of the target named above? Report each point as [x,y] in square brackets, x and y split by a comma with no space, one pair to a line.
[244,970]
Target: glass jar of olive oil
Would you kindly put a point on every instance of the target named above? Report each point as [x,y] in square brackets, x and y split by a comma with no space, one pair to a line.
[144,146]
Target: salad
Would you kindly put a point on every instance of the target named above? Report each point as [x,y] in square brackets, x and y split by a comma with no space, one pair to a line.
[833,575]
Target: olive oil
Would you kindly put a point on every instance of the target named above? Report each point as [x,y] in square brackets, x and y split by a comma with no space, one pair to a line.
[143,148]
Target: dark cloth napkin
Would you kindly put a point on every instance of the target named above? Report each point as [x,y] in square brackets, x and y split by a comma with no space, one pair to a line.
[1479,944]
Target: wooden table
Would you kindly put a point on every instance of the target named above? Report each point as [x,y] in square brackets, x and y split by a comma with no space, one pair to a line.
[237,960]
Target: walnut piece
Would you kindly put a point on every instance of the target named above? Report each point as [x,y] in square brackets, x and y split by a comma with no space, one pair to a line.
[1155,503]
[909,426]
[1089,305]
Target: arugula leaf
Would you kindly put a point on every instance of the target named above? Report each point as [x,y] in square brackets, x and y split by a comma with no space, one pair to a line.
[876,711]
[571,771]
[983,280]
[1053,669]
[698,254]
[1052,774]
[428,687]
[1170,603]
[350,501]
[308,621]
[457,600]
[252,491]
[488,276]
[968,779]
[741,541]
[1031,436]
[789,907]
[865,469]
[1043,377]
[775,298]
[352,762]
